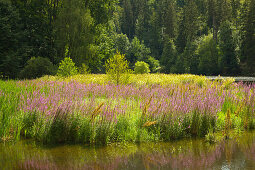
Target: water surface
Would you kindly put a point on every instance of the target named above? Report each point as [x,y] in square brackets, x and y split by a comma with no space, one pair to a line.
[237,153]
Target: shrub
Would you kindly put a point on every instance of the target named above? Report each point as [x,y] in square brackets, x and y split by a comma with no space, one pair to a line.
[37,67]
[154,65]
[84,69]
[117,68]
[141,67]
[67,68]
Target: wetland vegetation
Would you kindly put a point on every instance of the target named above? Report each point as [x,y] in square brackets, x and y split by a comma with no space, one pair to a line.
[89,109]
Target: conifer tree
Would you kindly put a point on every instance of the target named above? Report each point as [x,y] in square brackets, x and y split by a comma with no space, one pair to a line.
[228,61]
[208,53]
[128,19]
[249,39]
[169,20]
[169,56]
[189,25]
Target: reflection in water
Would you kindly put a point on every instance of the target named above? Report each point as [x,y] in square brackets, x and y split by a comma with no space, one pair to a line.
[237,153]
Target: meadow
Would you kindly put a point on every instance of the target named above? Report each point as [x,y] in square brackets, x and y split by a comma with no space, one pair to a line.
[89,109]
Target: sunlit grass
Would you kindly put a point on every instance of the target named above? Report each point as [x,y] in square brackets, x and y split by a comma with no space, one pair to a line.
[135,79]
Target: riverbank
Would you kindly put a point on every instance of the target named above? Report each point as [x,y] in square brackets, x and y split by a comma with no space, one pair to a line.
[88,109]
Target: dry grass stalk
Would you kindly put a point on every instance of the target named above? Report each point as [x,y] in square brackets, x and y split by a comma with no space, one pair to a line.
[148,124]
[97,110]
[146,107]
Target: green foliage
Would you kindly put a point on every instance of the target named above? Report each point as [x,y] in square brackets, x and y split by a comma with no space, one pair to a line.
[79,25]
[191,20]
[168,57]
[117,69]
[178,67]
[249,39]
[210,137]
[189,26]
[10,120]
[92,31]
[154,40]
[142,20]
[11,34]
[103,133]
[59,128]
[128,18]
[103,48]
[121,43]
[29,120]
[138,52]
[228,61]
[67,68]
[209,54]
[173,131]
[73,31]
[125,129]
[37,67]
[101,10]
[36,19]
[154,64]
[141,67]
[84,69]
[85,131]
[169,17]
[190,58]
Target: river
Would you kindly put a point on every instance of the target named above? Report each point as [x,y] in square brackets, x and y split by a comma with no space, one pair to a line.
[235,153]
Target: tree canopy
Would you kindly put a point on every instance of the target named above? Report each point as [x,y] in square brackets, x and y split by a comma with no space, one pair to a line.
[208,37]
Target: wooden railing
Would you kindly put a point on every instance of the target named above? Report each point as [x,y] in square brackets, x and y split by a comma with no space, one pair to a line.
[237,79]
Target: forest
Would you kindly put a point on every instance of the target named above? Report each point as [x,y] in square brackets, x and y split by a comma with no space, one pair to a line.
[205,37]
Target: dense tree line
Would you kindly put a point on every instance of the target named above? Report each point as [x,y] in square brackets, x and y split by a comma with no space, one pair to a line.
[209,37]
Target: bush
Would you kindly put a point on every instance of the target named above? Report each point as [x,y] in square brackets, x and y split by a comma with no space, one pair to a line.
[67,68]
[117,68]
[84,69]
[154,65]
[141,67]
[37,67]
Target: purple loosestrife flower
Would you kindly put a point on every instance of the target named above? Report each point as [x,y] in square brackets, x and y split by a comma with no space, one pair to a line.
[176,100]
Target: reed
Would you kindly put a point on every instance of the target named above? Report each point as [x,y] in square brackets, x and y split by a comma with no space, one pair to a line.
[159,107]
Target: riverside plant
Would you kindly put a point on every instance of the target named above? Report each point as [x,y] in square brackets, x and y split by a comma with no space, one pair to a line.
[61,111]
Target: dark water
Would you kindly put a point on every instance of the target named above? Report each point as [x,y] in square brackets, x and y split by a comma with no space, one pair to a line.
[238,153]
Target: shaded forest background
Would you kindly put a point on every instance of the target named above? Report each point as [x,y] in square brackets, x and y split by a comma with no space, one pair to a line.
[208,37]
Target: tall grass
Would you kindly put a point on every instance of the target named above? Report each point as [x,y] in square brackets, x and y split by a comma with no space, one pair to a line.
[79,110]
